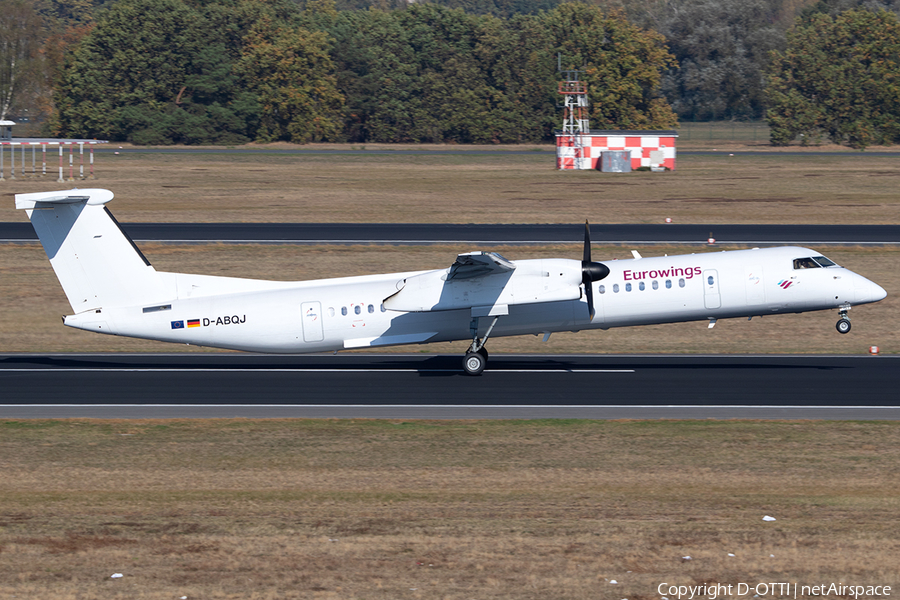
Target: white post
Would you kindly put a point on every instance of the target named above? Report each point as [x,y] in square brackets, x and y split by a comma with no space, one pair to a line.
[23,159]
[2,178]
[33,169]
[12,162]
[60,164]
[43,159]
[71,164]
[81,158]
[91,147]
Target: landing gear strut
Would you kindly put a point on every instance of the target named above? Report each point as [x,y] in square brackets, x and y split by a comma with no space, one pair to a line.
[843,324]
[477,354]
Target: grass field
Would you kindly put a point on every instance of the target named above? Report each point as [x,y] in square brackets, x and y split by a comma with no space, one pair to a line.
[455,510]
[470,188]
[704,135]
[520,188]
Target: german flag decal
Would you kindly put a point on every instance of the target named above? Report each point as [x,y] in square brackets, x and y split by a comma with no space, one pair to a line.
[194,323]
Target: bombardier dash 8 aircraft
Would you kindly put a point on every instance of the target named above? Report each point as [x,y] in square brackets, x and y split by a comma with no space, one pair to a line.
[113,289]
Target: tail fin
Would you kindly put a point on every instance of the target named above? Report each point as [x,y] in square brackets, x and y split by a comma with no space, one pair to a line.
[96,263]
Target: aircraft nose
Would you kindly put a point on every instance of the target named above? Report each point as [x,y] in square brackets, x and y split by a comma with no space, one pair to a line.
[868,291]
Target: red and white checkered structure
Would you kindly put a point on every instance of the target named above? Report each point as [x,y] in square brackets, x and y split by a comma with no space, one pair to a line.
[648,148]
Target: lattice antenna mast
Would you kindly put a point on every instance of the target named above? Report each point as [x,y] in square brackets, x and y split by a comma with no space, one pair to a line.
[575,116]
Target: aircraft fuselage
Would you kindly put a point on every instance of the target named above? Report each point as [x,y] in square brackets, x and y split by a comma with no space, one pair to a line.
[337,314]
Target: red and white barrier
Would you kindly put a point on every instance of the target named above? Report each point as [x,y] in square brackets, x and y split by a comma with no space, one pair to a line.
[8,148]
[653,149]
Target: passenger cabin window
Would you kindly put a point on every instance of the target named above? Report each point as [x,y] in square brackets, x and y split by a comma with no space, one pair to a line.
[371,309]
[681,283]
[627,287]
[344,310]
[710,280]
[641,286]
[357,309]
[330,311]
[655,284]
[615,288]
[668,284]
[602,289]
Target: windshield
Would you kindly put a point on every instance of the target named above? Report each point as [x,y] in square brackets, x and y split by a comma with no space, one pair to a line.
[813,262]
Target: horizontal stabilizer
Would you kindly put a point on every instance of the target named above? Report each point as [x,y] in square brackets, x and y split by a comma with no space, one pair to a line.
[91,197]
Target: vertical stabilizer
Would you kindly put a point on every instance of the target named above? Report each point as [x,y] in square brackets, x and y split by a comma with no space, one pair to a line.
[96,263]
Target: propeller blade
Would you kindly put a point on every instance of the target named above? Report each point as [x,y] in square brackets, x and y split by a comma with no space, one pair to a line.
[586,258]
[590,271]
[588,290]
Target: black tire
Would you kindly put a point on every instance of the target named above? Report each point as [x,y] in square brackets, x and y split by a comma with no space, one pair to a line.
[843,326]
[474,363]
[483,351]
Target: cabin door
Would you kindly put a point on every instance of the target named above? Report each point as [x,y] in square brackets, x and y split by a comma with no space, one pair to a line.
[311,314]
[711,298]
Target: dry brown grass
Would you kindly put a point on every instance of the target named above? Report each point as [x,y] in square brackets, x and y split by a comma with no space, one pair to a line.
[34,301]
[377,509]
[468,188]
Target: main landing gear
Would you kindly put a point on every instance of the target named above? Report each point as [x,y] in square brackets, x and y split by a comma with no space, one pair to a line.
[477,355]
[843,324]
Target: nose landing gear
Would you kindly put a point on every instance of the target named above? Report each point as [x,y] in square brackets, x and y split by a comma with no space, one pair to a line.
[843,324]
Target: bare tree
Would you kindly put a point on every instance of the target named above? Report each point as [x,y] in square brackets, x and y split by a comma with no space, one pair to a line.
[21,34]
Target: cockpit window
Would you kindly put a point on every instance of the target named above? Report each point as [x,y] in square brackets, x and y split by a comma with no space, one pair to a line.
[813,262]
[805,263]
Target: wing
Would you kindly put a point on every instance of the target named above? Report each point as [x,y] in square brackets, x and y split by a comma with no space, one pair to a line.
[487,283]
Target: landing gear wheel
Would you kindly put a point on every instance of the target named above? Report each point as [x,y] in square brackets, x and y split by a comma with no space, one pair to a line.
[483,351]
[474,363]
[843,326]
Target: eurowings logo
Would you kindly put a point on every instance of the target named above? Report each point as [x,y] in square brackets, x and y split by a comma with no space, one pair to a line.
[785,284]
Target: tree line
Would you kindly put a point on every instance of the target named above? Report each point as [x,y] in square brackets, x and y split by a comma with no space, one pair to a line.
[464,71]
[168,71]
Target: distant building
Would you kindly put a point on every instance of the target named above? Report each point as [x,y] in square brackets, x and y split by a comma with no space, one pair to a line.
[6,130]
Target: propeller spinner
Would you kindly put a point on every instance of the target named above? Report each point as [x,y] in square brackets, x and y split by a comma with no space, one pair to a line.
[590,271]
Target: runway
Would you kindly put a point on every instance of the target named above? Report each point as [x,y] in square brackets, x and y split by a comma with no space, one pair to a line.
[413,386]
[489,234]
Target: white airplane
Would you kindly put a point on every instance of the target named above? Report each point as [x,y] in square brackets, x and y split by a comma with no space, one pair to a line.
[113,289]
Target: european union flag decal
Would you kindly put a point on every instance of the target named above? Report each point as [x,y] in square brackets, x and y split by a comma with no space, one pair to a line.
[177,324]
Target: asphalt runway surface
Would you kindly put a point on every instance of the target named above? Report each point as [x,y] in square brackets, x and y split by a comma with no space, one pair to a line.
[415,386]
[488,234]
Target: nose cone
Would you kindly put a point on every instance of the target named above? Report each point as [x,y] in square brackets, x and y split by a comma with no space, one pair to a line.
[867,291]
